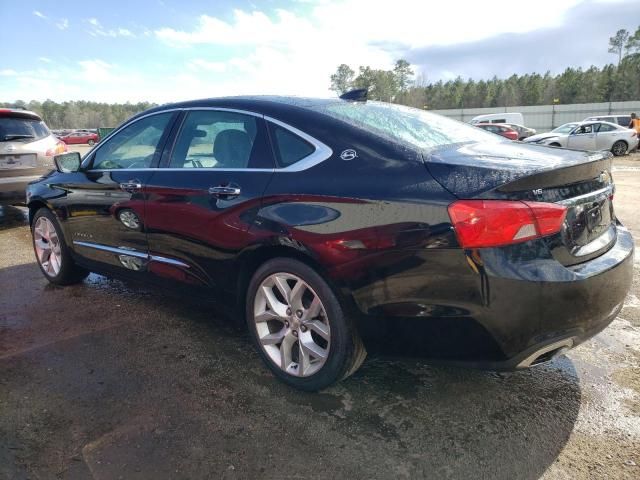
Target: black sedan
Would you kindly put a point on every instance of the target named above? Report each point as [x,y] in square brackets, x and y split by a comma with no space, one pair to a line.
[340,226]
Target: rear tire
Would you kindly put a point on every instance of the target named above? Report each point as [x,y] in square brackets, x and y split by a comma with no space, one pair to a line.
[619,148]
[302,335]
[52,253]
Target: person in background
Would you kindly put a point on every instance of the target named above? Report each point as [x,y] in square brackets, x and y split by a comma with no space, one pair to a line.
[635,125]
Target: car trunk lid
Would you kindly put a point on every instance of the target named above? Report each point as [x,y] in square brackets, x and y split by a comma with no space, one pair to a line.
[581,181]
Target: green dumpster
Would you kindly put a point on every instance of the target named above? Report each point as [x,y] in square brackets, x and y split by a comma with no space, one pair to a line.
[104,131]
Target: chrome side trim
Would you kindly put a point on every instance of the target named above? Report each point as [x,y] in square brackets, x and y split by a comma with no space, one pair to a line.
[322,152]
[106,248]
[170,261]
[561,346]
[131,253]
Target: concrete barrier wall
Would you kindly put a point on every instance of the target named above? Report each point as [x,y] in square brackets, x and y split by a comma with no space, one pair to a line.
[546,117]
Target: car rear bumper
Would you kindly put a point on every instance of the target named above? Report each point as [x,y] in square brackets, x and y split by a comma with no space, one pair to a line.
[502,309]
[542,302]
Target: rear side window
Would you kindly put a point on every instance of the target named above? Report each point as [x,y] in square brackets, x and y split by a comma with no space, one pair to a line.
[22,129]
[289,147]
[606,128]
[216,139]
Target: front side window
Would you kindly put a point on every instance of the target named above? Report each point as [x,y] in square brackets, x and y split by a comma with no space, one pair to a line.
[215,139]
[288,146]
[134,146]
[584,129]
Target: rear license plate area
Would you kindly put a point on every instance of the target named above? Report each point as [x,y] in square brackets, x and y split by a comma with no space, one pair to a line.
[27,160]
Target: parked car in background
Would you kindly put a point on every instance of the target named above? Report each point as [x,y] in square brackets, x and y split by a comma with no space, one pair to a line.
[498,129]
[329,228]
[507,117]
[562,129]
[622,120]
[590,136]
[27,148]
[523,132]
[80,137]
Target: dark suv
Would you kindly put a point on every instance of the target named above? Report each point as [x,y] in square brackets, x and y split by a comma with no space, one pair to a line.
[27,148]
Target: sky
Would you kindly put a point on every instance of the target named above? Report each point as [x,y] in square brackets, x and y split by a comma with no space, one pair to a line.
[165,50]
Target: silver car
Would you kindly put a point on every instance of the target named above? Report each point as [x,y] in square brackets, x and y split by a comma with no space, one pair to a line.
[589,136]
[27,148]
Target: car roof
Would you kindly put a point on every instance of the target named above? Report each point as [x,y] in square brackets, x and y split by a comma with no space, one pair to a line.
[19,113]
[253,103]
[295,111]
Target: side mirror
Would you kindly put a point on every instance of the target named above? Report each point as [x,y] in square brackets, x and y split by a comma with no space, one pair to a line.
[67,162]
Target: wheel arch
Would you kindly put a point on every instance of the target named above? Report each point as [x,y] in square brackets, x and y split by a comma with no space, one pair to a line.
[618,141]
[36,204]
[252,259]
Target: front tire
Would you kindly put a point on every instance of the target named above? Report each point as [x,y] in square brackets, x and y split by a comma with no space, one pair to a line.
[91,143]
[619,148]
[299,326]
[52,253]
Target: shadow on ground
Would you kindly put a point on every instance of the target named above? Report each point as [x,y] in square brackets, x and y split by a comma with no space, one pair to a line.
[102,379]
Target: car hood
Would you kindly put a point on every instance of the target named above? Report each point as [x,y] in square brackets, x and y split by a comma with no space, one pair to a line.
[468,170]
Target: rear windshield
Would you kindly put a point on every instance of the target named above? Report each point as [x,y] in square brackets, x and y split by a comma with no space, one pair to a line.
[418,128]
[22,129]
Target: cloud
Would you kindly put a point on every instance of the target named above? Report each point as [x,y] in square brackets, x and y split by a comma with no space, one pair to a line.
[546,49]
[45,59]
[8,72]
[199,64]
[96,70]
[63,24]
[97,30]
[287,52]
[39,14]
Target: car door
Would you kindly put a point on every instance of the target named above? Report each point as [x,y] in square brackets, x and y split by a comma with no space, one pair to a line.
[204,198]
[104,202]
[606,136]
[583,137]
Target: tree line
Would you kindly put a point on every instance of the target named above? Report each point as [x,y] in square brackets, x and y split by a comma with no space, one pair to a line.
[619,82]
[81,114]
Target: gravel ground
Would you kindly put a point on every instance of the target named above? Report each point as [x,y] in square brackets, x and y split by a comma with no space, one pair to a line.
[101,380]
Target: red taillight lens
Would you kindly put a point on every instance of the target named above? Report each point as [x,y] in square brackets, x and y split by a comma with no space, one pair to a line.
[493,223]
[60,147]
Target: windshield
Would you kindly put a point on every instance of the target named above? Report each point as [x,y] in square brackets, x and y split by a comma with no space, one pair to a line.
[418,128]
[566,128]
[16,129]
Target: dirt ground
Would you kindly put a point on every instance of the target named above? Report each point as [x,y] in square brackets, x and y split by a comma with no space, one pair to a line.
[104,381]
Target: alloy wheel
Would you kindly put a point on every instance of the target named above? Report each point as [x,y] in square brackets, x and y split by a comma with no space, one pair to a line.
[619,148]
[47,246]
[292,324]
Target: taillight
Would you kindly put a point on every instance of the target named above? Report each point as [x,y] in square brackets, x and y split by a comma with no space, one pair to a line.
[60,147]
[493,223]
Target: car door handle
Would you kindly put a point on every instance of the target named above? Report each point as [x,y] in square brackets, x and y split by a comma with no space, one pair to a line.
[131,186]
[224,191]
